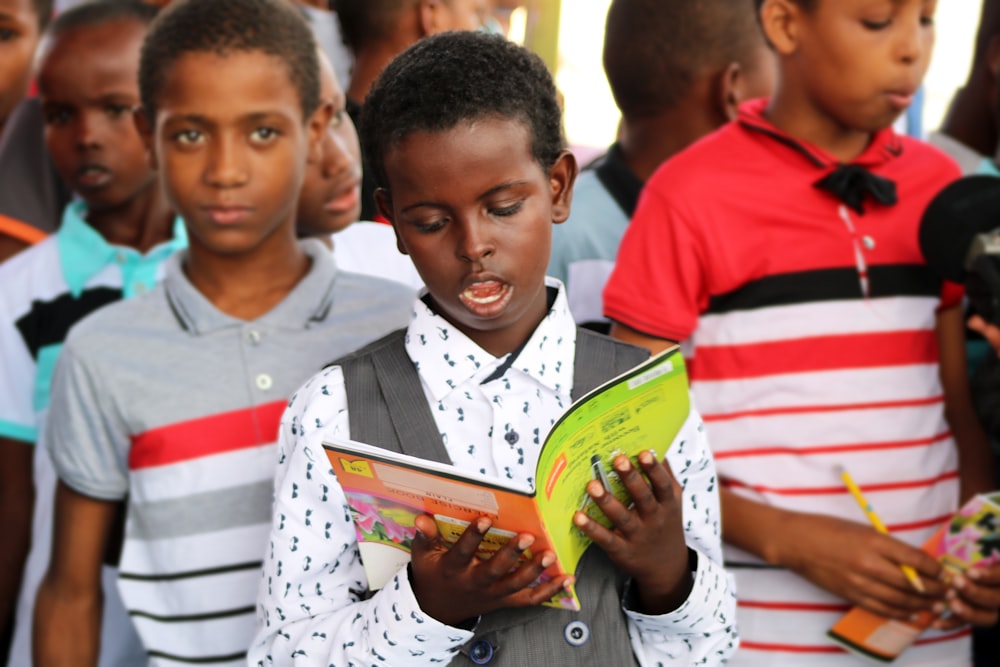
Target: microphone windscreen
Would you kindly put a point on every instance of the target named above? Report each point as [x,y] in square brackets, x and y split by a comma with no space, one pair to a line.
[965,208]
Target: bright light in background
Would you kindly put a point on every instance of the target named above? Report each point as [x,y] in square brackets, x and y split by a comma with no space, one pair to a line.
[592,117]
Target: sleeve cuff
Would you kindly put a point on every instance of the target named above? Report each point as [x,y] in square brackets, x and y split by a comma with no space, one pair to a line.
[710,605]
[409,632]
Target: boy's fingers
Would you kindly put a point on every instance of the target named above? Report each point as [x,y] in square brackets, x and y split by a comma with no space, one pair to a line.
[525,574]
[506,558]
[976,589]
[971,613]
[661,477]
[599,535]
[465,548]
[643,499]
[620,516]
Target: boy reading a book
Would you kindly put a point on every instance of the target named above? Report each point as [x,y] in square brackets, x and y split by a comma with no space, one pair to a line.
[472,178]
[170,402]
[783,250]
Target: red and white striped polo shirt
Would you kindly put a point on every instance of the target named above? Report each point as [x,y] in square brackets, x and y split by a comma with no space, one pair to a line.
[810,332]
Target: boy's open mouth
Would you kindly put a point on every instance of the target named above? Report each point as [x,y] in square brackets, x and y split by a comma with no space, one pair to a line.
[487,298]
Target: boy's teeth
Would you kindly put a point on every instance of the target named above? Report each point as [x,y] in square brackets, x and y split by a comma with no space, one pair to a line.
[484,292]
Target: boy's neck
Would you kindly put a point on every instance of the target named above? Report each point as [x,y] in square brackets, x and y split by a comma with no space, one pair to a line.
[648,141]
[141,223]
[797,117]
[247,285]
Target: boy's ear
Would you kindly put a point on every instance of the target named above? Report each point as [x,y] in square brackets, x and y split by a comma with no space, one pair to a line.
[780,19]
[145,129]
[562,176]
[316,130]
[729,90]
[383,203]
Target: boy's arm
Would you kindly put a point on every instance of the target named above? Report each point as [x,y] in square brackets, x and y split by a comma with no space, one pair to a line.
[17,502]
[629,335]
[846,558]
[67,621]
[314,601]
[849,559]
[975,458]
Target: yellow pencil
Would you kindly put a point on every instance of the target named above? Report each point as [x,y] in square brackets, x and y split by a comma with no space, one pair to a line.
[876,522]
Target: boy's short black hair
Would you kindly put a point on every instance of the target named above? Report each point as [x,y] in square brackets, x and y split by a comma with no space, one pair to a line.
[363,22]
[222,27]
[452,77]
[43,9]
[654,50]
[806,4]
[98,12]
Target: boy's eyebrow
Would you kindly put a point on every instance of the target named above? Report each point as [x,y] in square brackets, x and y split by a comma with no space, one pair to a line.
[503,186]
[203,120]
[492,191]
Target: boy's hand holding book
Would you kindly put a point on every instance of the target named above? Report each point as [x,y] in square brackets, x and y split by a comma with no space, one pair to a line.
[647,539]
[973,598]
[453,584]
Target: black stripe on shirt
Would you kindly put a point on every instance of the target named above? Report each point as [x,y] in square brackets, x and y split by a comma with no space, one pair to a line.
[188,618]
[191,574]
[48,322]
[201,660]
[839,284]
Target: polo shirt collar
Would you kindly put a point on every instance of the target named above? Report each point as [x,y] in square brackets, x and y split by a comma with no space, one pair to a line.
[309,301]
[431,337]
[885,145]
[620,182]
[83,252]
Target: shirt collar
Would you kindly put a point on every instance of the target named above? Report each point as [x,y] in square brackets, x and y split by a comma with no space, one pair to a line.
[620,182]
[885,145]
[309,301]
[83,252]
[547,357]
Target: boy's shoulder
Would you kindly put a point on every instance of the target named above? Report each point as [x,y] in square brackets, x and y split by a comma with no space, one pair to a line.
[33,275]
[123,323]
[921,157]
[22,272]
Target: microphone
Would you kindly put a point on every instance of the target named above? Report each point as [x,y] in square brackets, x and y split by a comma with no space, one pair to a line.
[959,237]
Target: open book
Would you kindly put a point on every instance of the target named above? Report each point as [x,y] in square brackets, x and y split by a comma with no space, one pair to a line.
[971,538]
[642,409]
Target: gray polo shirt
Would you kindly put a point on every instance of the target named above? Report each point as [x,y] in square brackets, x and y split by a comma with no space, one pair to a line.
[174,404]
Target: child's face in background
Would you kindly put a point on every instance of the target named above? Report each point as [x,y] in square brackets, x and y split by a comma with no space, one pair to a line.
[19,35]
[88,86]
[473,209]
[859,62]
[232,146]
[331,193]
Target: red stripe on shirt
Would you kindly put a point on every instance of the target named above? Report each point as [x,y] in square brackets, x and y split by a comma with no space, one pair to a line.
[205,436]
[793,606]
[832,449]
[800,409]
[828,490]
[793,648]
[822,353]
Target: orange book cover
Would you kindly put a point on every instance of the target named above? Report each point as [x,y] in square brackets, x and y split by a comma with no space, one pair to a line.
[970,538]
[642,409]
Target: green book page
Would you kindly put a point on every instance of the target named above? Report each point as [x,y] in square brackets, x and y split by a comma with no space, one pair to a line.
[643,409]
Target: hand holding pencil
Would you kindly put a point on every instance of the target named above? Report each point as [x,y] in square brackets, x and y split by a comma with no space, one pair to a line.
[877,523]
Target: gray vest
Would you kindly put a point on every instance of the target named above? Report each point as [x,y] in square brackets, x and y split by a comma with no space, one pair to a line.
[393,414]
